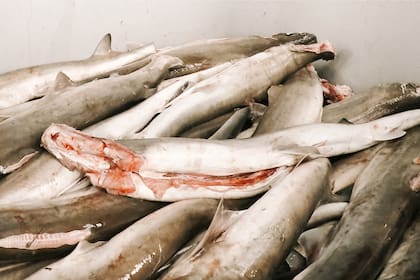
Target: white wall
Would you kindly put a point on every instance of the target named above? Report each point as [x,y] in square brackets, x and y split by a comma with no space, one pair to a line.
[377,41]
[41,31]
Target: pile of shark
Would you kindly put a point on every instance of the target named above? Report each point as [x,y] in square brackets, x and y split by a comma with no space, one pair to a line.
[226,158]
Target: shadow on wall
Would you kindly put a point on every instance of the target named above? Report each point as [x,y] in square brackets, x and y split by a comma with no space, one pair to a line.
[331,70]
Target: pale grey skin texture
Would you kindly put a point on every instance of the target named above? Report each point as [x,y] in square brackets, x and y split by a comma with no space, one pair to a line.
[326,212]
[227,157]
[129,122]
[314,240]
[376,217]
[24,84]
[8,112]
[180,255]
[346,170]
[374,103]
[298,101]
[257,113]
[192,156]
[206,129]
[196,77]
[232,126]
[22,270]
[245,80]
[79,107]
[254,245]
[165,154]
[45,178]
[42,178]
[113,212]
[140,249]
[404,263]
[16,109]
[202,54]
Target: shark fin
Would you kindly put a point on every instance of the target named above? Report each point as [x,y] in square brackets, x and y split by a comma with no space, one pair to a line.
[84,247]
[63,81]
[388,134]
[179,87]
[104,46]
[345,121]
[273,93]
[75,186]
[222,220]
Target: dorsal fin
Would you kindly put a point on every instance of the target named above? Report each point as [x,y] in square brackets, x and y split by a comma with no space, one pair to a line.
[104,46]
[85,246]
[222,220]
[345,121]
[63,81]
[273,93]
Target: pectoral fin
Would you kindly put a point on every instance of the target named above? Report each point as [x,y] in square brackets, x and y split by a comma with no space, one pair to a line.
[385,135]
[222,220]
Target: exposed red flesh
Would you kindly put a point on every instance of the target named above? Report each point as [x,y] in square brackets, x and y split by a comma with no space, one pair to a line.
[237,180]
[116,181]
[95,150]
[335,93]
[122,157]
[174,180]
[118,169]
[324,48]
